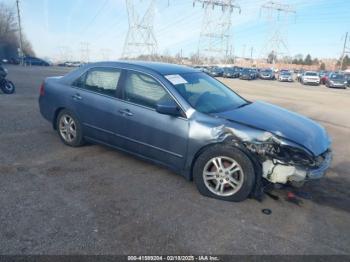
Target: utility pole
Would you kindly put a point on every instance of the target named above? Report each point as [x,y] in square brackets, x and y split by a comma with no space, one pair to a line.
[20,31]
[243,51]
[251,53]
[215,36]
[140,39]
[105,54]
[346,50]
[276,42]
[84,52]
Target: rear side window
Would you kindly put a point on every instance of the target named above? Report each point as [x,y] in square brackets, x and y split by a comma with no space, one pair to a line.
[143,90]
[100,80]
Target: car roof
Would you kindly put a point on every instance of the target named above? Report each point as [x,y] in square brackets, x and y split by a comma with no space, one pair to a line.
[161,68]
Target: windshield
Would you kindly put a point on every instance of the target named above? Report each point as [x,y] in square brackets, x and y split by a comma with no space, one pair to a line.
[337,77]
[207,95]
[311,74]
[247,70]
[286,73]
[266,71]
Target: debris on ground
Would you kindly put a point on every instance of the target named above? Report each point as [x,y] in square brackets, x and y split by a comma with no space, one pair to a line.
[291,197]
[266,211]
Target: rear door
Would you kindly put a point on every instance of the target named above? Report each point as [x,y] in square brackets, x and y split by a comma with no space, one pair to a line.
[95,101]
[160,137]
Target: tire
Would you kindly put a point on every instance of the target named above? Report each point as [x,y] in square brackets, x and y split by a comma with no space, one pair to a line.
[243,179]
[8,87]
[66,122]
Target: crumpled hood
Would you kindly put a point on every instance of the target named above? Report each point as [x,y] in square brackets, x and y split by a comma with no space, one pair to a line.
[282,123]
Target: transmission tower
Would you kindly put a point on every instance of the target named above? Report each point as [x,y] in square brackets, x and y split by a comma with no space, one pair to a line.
[277,15]
[215,37]
[140,39]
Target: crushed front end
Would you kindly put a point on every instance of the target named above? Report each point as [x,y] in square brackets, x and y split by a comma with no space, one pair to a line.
[285,162]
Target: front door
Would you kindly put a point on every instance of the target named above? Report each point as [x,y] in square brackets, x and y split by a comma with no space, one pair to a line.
[160,137]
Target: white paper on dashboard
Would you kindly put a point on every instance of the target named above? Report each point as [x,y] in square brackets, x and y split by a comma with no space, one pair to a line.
[176,79]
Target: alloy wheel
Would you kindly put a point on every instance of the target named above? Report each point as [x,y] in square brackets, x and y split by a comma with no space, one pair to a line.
[223,176]
[67,128]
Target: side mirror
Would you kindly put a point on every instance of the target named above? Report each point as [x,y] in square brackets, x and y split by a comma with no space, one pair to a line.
[168,107]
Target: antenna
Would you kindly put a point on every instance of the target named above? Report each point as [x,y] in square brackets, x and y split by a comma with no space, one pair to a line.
[276,42]
[140,39]
[215,37]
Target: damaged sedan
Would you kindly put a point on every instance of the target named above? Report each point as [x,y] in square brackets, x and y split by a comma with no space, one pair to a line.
[185,120]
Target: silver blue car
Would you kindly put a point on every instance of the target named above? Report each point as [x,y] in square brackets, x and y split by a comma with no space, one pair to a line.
[184,119]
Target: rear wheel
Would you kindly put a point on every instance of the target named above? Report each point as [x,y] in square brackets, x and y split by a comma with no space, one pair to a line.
[69,129]
[224,172]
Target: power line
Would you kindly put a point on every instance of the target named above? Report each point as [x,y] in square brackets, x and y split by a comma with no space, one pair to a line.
[96,15]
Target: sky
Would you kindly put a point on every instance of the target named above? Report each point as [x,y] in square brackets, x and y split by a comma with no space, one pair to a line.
[57,28]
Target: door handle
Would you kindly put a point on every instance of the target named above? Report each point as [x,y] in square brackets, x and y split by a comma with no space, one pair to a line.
[77,97]
[125,112]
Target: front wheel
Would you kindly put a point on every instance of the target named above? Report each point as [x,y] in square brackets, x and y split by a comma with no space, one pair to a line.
[8,87]
[224,172]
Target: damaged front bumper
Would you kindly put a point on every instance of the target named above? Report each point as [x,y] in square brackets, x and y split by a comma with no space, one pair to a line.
[279,172]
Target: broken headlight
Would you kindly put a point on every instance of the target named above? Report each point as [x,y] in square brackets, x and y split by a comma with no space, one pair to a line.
[270,146]
[295,156]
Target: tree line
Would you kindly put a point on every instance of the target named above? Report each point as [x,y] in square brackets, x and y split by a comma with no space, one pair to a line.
[9,36]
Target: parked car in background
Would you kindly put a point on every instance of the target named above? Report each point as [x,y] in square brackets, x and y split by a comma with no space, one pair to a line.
[34,61]
[71,64]
[216,71]
[227,145]
[266,74]
[206,69]
[324,77]
[310,78]
[285,76]
[247,74]
[230,72]
[255,72]
[336,80]
[283,71]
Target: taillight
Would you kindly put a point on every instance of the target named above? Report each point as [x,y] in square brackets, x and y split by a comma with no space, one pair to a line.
[42,89]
